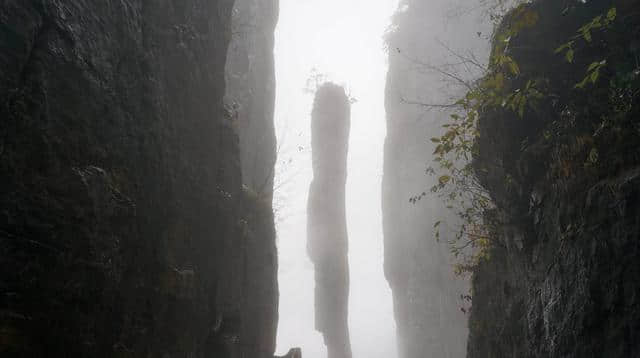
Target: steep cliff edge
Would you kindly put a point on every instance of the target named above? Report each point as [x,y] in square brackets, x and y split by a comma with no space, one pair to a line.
[124,230]
[327,242]
[251,90]
[250,97]
[562,277]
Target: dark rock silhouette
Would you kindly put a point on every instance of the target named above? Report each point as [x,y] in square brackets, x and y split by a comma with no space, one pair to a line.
[293,353]
[125,231]
[327,244]
[564,280]
[251,90]
[250,97]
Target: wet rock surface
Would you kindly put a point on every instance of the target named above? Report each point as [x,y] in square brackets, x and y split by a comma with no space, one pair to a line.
[327,242]
[251,90]
[124,229]
[250,98]
[563,281]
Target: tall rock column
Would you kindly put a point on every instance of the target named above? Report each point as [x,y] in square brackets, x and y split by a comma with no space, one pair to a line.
[327,227]
[250,98]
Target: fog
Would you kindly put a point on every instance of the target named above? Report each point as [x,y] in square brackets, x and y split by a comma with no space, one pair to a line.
[335,38]
[340,41]
[451,178]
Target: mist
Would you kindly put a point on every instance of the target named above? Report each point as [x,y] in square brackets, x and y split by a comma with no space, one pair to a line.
[335,41]
[332,38]
[320,178]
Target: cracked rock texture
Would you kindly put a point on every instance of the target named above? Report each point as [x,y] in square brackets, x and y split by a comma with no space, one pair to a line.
[250,96]
[562,278]
[251,89]
[124,228]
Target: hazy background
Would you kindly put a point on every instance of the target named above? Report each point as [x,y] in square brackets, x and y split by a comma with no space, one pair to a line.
[343,39]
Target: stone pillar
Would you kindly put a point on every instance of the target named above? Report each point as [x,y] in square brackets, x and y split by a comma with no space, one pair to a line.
[327,244]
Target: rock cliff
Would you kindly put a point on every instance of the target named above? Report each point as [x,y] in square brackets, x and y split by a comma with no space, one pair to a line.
[562,276]
[125,230]
[250,97]
[251,90]
[327,242]
[426,293]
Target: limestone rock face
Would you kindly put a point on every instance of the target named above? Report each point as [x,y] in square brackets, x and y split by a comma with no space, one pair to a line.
[251,90]
[124,229]
[327,243]
[250,97]
[564,280]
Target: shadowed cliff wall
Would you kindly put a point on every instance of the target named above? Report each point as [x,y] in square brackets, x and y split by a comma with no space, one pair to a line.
[251,90]
[562,280]
[327,242]
[250,97]
[124,230]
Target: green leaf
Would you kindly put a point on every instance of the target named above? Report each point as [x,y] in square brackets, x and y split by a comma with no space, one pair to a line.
[592,66]
[569,55]
[596,22]
[513,67]
[436,140]
[611,15]
[582,83]
[563,47]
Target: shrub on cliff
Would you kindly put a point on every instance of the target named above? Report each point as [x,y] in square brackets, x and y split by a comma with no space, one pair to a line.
[564,82]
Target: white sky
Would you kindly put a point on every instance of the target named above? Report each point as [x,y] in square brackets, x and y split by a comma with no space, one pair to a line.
[342,38]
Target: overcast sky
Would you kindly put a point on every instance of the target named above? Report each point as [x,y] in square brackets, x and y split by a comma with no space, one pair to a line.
[342,38]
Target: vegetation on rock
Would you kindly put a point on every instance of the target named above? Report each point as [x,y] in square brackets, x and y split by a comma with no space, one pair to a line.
[572,98]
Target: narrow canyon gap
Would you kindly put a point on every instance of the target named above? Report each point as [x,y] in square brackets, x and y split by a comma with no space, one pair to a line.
[343,39]
[137,152]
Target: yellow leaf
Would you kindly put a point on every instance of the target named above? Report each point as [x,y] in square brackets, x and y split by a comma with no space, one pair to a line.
[444,179]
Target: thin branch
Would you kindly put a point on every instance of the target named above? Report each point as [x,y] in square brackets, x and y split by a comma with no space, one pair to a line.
[436,69]
[472,60]
[430,105]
